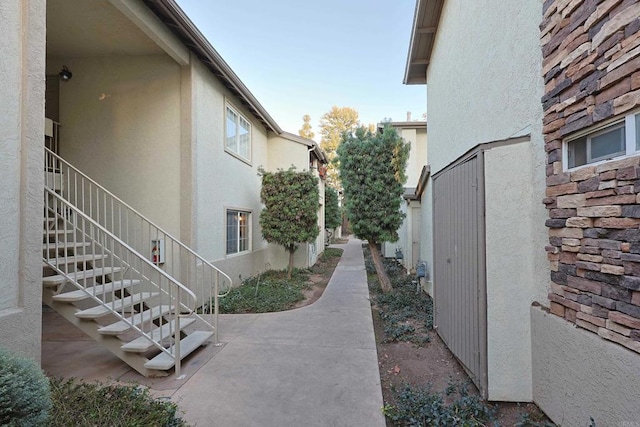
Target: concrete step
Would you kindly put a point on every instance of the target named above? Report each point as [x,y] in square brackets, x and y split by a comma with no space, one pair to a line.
[75,259]
[164,361]
[79,295]
[137,319]
[64,245]
[59,232]
[142,344]
[116,305]
[59,279]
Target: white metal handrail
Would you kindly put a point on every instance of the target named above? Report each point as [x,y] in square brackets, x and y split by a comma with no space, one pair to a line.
[110,257]
[167,252]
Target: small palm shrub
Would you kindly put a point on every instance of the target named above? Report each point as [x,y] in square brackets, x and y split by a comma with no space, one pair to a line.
[25,397]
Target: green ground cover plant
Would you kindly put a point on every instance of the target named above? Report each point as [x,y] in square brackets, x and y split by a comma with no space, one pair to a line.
[77,403]
[272,291]
[327,262]
[455,406]
[407,314]
[268,292]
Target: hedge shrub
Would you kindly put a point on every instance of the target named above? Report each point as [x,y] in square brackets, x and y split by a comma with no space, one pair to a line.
[25,396]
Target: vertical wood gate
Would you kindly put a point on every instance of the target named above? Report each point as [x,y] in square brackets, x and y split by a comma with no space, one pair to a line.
[459,264]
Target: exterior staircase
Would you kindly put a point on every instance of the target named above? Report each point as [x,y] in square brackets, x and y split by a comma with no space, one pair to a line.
[122,280]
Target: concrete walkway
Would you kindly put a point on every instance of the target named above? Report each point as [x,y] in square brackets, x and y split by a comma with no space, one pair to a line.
[313,366]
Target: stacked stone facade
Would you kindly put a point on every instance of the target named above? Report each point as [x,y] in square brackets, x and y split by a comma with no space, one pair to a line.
[591,70]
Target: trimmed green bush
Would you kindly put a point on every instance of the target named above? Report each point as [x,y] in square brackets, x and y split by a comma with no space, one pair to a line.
[25,397]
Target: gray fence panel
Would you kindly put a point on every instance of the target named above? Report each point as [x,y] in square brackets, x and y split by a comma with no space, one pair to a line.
[459,264]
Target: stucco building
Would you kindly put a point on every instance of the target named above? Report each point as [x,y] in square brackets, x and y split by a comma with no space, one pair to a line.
[408,244]
[528,103]
[149,118]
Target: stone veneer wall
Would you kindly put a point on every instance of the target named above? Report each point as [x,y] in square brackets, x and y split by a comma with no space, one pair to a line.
[591,63]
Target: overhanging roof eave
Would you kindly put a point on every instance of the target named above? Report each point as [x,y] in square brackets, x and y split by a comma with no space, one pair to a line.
[418,61]
[174,17]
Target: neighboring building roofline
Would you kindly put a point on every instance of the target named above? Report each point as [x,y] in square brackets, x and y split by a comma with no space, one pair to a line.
[418,124]
[179,23]
[423,34]
[297,138]
[313,146]
[422,181]
[320,154]
[410,194]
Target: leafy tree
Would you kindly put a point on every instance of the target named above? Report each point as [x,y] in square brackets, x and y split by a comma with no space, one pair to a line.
[331,209]
[306,131]
[373,174]
[332,125]
[290,215]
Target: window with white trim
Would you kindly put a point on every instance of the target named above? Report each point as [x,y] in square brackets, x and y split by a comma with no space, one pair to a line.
[616,139]
[237,134]
[238,231]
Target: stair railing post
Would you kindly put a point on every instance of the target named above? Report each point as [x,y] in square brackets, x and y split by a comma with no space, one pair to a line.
[215,308]
[177,336]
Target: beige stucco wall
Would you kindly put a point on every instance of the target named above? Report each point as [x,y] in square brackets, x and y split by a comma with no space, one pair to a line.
[389,248]
[405,236]
[121,122]
[223,181]
[284,153]
[21,139]
[484,85]
[578,375]
[417,155]
[417,137]
[426,235]
[512,283]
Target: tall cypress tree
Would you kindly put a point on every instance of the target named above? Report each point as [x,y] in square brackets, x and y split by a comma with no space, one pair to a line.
[372,171]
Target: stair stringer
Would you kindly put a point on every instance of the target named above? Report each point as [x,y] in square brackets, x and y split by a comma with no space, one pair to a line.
[109,342]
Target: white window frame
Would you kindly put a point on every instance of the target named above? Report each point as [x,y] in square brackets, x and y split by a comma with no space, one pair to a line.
[249,238]
[235,150]
[629,124]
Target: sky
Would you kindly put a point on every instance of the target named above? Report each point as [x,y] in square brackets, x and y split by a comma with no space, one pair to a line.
[300,57]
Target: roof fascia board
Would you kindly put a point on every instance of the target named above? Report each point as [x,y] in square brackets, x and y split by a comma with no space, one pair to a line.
[410,125]
[412,40]
[422,181]
[295,138]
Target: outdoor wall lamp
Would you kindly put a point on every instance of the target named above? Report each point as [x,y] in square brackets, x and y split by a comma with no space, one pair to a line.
[65,74]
